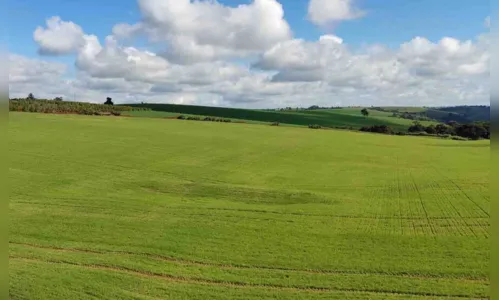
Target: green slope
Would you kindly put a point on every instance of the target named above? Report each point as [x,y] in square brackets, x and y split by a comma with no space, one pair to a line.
[141,208]
[347,117]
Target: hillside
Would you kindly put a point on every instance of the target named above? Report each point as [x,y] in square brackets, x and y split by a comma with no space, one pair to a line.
[345,117]
[142,208]
[460,114]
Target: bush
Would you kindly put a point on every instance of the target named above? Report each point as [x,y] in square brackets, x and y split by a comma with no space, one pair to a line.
[275,124]
[377,129]
[417,127]
[431,129]
[472,131]
[60,106]
[314,126]
[181,117]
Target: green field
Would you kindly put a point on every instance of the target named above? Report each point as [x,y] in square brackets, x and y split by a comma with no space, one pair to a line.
[345,117]
[144,208]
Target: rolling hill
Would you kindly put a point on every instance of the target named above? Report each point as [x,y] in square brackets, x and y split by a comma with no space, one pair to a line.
[334,118]
[142,208]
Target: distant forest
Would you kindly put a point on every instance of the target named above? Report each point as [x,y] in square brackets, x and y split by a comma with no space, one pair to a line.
[459,114]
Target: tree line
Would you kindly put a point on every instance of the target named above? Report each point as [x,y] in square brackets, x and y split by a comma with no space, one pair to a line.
[57,105]
[470,131]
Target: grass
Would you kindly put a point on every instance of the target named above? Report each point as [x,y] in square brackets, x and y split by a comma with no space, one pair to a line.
[141,208]
[346,117]
[170,115]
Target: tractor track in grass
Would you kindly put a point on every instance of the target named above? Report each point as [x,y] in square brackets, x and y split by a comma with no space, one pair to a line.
[239,284]
[256,211]
[423,206]
[249,267]
[458,187]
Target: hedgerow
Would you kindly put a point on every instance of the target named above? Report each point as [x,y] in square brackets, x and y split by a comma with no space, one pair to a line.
[67,107]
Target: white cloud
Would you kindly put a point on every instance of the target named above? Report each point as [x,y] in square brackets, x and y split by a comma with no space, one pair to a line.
[27,75]
[207,30]
[196,66]
[331,61]
[59,37]
[23,69]
[326,12]
[132,64]
[447,59]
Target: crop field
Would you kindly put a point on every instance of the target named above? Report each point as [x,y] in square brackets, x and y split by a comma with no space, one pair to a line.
[145,208]
[345,117]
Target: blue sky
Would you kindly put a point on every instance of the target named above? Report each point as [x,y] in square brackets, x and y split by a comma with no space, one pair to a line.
[389,22]
[439,68]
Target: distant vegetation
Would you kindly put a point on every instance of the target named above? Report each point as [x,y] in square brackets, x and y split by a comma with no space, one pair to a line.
[315,117]
[208,119]
[460,114]
[473,131]
[344,118]
[377,129]
[313,107]
[57,105]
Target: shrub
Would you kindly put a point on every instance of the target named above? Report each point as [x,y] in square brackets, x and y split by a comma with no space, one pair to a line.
[431,129]
[444,129]
[181,117]
[459,138]
[275,124]
[60,106]
[377,129]
[314,126]
[417,127]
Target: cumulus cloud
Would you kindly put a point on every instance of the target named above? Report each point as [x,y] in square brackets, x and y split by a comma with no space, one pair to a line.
[23,69]
[44,79]
[330,60]
[132,64]
[326,12]
[207,30]
[448,58]
[59,37]
[202,37]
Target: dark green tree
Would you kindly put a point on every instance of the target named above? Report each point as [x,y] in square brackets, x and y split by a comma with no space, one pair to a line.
[31,97]
[365,112]
[417,127]
[109,101]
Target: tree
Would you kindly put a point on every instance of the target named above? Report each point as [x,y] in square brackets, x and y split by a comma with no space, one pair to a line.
[31,97]
[431,129]
[109,101]
[377,129]
[443,129]
[58,99]
[365,112]
[417,127]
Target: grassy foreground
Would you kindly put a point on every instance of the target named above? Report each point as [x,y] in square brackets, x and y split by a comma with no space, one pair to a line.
[139,208]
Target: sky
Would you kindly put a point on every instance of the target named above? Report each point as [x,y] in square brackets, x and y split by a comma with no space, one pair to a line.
[252,53]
